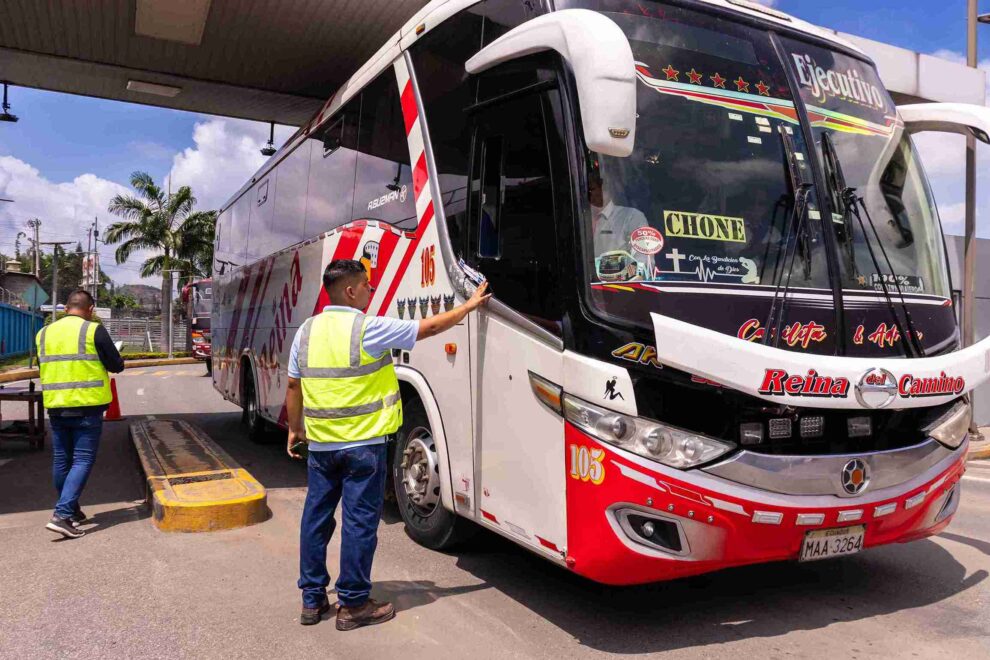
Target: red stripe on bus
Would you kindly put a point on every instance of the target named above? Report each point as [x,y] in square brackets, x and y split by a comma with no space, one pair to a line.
[419,175]
[262,269]
[406,258]
[489,516]
[547,544]
[350,236]
[386,246]
[409,113]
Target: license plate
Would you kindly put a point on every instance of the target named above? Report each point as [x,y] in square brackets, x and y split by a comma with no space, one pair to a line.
[828,543]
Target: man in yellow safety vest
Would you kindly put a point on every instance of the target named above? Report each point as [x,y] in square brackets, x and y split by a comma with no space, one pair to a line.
[343,398]
[74,356]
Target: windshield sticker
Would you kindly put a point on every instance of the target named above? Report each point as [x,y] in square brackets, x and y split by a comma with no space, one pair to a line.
[708,227]
[837,121]
[735,116]
[754,140]
[638,353]
[758,104]
[906,283]
[707,267]
[646,240]
[794,335]
[884,336]
[617,266]
[848,86]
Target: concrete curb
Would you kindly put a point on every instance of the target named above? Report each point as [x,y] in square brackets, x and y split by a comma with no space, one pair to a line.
[193,485]
[24,374]
[980,450]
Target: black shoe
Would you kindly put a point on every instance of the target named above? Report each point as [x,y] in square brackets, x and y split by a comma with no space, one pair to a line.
[78,518]
[372,612]
[64,527]
[313,615]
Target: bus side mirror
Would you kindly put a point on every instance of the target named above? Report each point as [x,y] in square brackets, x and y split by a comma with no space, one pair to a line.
[601,60]
[964,118]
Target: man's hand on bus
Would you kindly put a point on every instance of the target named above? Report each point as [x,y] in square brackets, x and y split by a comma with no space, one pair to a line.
[441,322]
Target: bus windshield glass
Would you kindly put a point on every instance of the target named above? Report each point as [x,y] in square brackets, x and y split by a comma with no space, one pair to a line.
[888,217]
[706,198]
[201,299]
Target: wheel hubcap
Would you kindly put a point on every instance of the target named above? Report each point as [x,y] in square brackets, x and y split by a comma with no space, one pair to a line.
[420,476]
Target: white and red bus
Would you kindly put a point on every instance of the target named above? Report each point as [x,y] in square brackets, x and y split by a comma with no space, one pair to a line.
[722,330]
[197,308]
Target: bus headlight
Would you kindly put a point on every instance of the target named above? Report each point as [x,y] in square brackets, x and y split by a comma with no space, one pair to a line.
[951,428]
[666,444]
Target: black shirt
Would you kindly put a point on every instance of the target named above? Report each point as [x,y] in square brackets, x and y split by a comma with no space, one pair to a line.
[112,362]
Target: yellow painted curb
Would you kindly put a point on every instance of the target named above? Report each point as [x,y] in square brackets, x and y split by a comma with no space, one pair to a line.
[193,484]
[978,453]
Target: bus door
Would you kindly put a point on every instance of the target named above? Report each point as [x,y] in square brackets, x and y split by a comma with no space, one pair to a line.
[519,456]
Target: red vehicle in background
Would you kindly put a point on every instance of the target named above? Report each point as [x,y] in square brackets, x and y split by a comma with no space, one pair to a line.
[197,304]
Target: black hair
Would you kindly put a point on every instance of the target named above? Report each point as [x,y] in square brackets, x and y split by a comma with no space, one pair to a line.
[340,271]
[79,299]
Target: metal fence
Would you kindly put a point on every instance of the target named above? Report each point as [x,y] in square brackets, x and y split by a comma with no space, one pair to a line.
[146,334]
[17,330]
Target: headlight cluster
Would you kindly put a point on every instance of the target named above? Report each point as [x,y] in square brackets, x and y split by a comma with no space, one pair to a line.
[951,428]
[666,444]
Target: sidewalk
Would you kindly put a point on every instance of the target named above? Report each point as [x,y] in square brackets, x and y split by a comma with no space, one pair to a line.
[980,449]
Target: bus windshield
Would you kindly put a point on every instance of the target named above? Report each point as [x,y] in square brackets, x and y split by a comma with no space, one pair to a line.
[895,226]
[201,299]
[709,198]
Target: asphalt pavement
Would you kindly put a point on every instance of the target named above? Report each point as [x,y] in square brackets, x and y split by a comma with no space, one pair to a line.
[128,590]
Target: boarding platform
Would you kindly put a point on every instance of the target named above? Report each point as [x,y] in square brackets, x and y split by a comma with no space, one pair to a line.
[193,484]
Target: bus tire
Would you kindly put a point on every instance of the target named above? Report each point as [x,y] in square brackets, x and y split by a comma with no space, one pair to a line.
[257,427]
[416,480]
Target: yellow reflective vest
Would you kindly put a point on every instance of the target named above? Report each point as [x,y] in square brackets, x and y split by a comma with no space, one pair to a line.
[348,395]
[71,372]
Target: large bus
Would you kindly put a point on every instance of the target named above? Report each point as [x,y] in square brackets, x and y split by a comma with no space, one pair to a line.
[722,330]
[197,308]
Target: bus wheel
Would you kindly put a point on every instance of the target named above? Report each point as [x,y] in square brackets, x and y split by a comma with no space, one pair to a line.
[416,477]
[257,427]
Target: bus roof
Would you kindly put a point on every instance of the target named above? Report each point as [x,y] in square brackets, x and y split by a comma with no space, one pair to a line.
[437,11]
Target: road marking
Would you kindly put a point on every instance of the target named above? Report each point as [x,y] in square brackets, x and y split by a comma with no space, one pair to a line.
[161,372]
[986,481]
[140,391]
[133,372]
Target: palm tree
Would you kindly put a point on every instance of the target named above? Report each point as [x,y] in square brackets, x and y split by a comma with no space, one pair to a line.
[164,223]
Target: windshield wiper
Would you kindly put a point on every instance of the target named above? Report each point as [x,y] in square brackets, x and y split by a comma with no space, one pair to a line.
[800,189]
[845,200]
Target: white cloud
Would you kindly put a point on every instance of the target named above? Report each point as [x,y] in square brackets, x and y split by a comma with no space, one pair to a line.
[226,153]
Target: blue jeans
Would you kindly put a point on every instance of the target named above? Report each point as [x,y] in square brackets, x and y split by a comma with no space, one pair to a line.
[75,441]
[356,475]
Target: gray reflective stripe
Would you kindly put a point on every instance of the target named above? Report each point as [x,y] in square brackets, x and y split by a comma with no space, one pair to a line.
[345,372]
[81,385]
[357,325]
[82,336]
[303,356]
[41,342]
[72,357]
[353,411]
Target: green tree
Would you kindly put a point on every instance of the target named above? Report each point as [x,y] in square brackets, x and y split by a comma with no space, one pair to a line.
[166,224]
[122,301]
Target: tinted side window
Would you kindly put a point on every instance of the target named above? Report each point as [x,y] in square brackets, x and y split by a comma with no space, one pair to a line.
[292,178]
[262,207]
[383,187]
[333,153]
[220,244]
[240,215]
[513,234]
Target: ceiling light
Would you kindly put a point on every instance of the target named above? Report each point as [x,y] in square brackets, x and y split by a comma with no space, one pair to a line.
[152,88]
[269,148]
[6,116]
[176,20]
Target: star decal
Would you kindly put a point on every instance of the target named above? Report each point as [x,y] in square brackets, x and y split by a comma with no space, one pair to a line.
[671,72]
[741,85]
[763,88]
[694,76]
[718,80]
[861,280]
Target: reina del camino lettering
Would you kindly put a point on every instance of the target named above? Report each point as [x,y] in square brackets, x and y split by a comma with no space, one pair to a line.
[847,86]
[795,334]
[779,383]
[908,386]
[282,307]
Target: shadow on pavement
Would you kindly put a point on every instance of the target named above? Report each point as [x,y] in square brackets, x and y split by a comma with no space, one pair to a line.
[982,546]
[409,594]
[749,602]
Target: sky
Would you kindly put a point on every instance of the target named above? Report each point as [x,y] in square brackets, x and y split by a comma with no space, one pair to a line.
[69,155]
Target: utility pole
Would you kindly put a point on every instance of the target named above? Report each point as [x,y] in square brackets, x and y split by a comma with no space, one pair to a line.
[969,249]
[170,315]
[35,224]
[56,245]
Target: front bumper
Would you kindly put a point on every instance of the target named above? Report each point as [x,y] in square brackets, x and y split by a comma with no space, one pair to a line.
[201,351]
[721,523]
